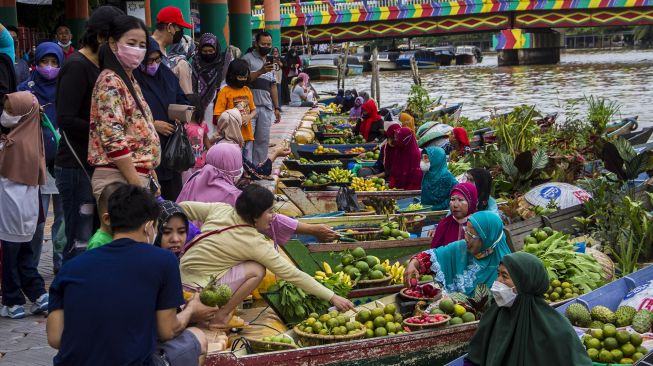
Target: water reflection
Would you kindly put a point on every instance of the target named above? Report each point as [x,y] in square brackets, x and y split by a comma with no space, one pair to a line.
[624,76]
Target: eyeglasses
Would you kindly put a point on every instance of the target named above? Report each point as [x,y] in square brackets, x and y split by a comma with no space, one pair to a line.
[468,233]
[151,61]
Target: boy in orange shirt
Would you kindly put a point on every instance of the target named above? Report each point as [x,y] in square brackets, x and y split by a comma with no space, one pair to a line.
[237,95]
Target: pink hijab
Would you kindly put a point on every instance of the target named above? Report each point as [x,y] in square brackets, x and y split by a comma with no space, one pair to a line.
[215,181]
[449,229]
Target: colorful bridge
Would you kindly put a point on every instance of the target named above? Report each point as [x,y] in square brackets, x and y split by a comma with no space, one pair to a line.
[341,20]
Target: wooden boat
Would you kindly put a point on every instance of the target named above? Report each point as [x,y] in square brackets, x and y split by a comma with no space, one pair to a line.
[388,61]
[311,203]
[639,137]
[621,127]
[444,54]
[325,66]
[443,110]
[468,55]
[425,59]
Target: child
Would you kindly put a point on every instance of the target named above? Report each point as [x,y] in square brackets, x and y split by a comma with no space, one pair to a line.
[103,234]
[237,95]
[198,136]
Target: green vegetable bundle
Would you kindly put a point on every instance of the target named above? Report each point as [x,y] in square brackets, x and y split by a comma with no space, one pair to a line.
[562,261]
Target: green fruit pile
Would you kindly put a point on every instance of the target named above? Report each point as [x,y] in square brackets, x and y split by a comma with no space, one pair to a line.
[326,162]
[391,231]
[538,235]
[457,312]
[600,316]
[215,294]
[358,139]
[360,266]
[334,140]
[561,290]
[608,345]
[371,155]
[381,322]
[278,339]
[316,179]
[332,323]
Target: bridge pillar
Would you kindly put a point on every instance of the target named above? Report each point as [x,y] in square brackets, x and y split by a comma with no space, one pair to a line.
[518,47]
[76,16]
[214,15]
[8,13]
[240,24]
[157,5]
[272,11]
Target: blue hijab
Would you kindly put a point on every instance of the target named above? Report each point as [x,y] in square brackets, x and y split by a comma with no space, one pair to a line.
[438,181]
[457,270]
[7,44]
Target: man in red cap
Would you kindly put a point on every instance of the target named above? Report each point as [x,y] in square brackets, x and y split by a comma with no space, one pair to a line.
[169,24]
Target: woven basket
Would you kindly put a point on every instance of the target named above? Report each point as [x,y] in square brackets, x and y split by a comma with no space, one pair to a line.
[416,327]
[437,297]
[362,233]
[414,222]
[309,339]
[373,283]
[606,263]
[259,346]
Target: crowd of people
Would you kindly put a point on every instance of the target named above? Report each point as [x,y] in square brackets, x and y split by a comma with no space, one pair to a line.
[88,130]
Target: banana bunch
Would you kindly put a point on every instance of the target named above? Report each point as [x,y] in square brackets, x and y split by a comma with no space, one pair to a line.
[414,206]
[340,175]
[321,277]
[332,108]
[396,271]
[366,185]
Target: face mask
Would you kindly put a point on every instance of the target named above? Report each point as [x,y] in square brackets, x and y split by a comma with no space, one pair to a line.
[424,166]
[48,72]
[503,295]
[64,45]
[176,37]
[240,83]
[264,50]
[237,177]
[208,57]
[130,57]
[152,68]
[9,121]
[150,237]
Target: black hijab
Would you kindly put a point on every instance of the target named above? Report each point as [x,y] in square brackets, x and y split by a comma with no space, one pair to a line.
[483,183]
[208,74]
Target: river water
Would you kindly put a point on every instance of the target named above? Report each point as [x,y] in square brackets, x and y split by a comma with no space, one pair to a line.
[625,76]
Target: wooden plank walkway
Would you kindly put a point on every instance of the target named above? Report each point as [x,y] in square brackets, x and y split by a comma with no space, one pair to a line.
[23,342]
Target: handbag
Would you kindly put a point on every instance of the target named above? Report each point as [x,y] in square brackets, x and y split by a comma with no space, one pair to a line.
[180,112]
[178,154]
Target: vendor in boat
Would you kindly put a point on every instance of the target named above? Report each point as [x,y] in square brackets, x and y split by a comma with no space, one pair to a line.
[458,142]
[370,125]
[462,204]
[520,328]
[348,103]
[356,110]
[215,182]
[438,180]
[407,120]
[464,264]
[482,179]
[237,254]
[401,161]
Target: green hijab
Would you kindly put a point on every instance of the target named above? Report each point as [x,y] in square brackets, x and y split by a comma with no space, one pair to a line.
[457,270]
[438,181]
[530,332]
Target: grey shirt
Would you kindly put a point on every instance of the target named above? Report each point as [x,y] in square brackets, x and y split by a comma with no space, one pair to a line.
[262,85]
[297,96]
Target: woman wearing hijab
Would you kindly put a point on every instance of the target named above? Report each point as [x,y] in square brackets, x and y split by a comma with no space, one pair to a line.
[292,66]
[228,131]
[401,161]
[438,180]
[356,111]
[340,98]
[458,142]
[22,170]
[209,69]
[482,179]
[179,58]
[173,229]
[520,328]
[370,125]
[462,203]
[465,264]
[216,182]
[161,88]
[42,83]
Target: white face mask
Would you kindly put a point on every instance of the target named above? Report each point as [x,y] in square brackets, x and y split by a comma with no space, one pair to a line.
[9,121]
[64,44]
[237,177]
[424,166]
[503,295]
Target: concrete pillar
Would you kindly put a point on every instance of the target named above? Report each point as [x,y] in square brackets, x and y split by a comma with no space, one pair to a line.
[240,24]
[214,16]
[272,11]
[156,5]
[76,13]
[8,14]
[518,47]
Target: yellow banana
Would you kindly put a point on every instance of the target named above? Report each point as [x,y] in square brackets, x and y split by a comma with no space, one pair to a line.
[327,268]
[320,273]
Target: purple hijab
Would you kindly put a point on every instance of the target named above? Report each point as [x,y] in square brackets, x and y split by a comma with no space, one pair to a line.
[357,109]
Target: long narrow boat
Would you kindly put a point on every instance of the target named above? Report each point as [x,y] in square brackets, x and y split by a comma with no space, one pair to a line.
[316,202]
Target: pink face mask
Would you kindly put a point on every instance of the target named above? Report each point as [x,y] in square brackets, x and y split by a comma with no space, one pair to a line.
[48,72]
[130,57]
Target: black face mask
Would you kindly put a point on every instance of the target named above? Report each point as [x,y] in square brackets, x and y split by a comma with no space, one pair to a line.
[209,57]
[240,83]
[264,51]
[176,38]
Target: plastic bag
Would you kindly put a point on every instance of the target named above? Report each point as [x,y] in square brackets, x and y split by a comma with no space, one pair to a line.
[347,200]
[641,297]
[178,154]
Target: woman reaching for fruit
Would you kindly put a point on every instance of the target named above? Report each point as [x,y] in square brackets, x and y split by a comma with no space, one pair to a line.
[520,328]
[462,203]
[232,249]
[438,180]
[464,264]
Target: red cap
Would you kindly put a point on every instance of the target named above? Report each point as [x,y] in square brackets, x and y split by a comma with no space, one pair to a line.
[171,14]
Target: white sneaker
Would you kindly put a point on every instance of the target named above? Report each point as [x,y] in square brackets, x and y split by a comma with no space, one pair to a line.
[14,312]
[41,304]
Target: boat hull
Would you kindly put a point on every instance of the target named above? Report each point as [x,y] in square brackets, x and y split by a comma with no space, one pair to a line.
[316,202]
[426,65]
[328,72]
[388,65]
[466,60]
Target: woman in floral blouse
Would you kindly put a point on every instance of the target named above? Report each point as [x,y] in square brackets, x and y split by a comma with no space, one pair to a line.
[123,144]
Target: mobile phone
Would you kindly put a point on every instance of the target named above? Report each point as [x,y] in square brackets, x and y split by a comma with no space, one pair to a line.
[269,59]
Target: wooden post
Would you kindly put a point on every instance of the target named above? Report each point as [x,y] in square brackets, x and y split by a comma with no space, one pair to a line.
[376,80]
[415,71]
[346,66]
